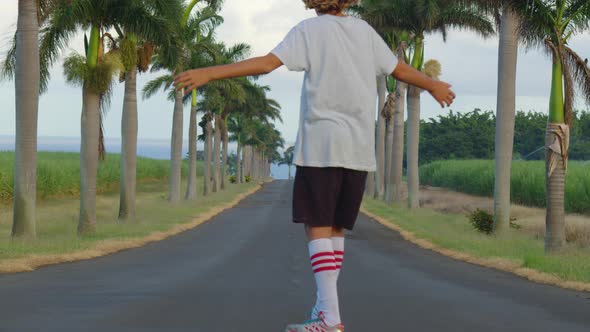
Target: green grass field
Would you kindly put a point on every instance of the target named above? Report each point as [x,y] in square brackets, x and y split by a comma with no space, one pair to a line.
[454,232]
[57,211]
[58,173]
[528,181]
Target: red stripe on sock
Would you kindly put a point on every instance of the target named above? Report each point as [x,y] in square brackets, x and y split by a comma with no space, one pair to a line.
[341,253]
[322,269]
[338,260]
[321,254]
[323,261]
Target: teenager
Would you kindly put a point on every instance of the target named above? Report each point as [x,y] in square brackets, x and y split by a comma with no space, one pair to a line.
[335,149]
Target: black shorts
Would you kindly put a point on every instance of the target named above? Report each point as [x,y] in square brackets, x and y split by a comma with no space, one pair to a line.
[328,197]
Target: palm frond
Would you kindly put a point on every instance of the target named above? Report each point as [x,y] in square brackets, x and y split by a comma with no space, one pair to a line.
[61,26]
[161,83]
[75,69]
[466,18]
[568,85]
[9,62]
[580,72]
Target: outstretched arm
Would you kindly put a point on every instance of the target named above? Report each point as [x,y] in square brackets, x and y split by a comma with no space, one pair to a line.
[195,78]
[439,90]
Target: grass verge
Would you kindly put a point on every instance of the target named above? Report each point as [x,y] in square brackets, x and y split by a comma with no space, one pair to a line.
[519,252]
[156,220]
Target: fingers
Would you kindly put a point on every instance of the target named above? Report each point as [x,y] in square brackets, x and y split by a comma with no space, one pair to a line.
[181,82]
[183,79]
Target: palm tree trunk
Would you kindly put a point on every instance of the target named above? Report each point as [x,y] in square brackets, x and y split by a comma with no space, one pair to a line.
[89,144]
[381,127]
[370,186]
[89,124]
[388,160]
[397,163]
[245,161]
[413,147]
[239,163]
[248,160]
[557,145]
[27,79]
[176,150]
[507,61]
[129,148]
[244,164]
[191,187]
[253,164]
[208,156]
[225,139]
[262,165]
[216,153]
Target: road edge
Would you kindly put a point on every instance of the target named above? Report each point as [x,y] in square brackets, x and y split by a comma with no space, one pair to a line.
[109,247]
[501,264]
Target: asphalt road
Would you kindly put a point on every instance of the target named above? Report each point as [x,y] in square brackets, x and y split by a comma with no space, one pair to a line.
[247,270]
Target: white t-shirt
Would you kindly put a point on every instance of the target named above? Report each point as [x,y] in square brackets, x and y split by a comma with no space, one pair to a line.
[341,57]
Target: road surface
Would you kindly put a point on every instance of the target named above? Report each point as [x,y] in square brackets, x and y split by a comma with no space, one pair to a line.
[247,270]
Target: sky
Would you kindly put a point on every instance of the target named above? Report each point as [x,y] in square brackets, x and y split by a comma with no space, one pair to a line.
[469,63]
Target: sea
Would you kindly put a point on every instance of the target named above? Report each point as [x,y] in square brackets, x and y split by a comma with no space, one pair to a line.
[149,148]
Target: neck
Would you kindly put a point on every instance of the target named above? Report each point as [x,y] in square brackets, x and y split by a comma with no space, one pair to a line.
[333,13]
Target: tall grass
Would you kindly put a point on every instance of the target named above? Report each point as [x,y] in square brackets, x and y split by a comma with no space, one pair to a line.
[58,173]
[528,181]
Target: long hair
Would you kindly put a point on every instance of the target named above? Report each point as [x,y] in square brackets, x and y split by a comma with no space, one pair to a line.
[328,6]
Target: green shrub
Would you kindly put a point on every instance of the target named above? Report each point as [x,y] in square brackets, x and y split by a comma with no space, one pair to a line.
[482,220]
[233,179]
[248,178]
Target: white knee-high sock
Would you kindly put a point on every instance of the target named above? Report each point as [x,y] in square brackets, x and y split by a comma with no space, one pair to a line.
[338,246]
[324,268]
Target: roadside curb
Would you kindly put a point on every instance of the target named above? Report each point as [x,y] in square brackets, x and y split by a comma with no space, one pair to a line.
[501,264]
[108,247]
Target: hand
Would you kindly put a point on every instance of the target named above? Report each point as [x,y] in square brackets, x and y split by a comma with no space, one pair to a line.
[191,80]
[443,94]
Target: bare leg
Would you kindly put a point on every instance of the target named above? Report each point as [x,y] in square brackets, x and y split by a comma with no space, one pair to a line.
[337,232]
[316,233]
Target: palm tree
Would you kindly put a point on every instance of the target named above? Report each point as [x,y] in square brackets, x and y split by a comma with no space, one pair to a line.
[235,125]
[419,17]
[269,140]
[23,65]
[93,71]
[380,174]
[506,104]
[393,111]
[174,60]
[287,158]
[232,95]
[202,25]
[505,117]
[136,56]
[550,25]
[206,125]
[399,99]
